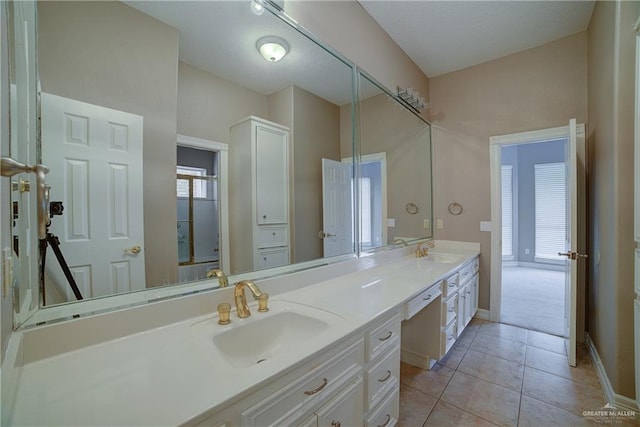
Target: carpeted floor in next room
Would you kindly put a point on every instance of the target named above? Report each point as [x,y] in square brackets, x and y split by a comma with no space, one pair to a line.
[533,298]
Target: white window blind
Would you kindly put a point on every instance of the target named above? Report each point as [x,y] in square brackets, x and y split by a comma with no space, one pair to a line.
[551,202]
[507,211]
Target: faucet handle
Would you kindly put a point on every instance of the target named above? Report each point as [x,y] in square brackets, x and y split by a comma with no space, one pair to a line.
[223,313]
[222,278]
[262,302]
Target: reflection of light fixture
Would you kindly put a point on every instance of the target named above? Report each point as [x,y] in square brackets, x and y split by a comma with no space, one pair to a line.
[257,7]
[272,48]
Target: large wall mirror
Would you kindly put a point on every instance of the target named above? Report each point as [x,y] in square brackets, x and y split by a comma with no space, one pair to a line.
[394,170]
[179,142]
[143,208]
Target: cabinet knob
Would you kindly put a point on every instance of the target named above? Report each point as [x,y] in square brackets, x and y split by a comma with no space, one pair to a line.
[264,217]
[274,233]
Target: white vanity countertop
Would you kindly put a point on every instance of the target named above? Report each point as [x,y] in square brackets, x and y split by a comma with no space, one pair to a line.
[164,377]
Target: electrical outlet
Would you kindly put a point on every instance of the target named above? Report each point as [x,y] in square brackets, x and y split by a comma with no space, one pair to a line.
[440,224]
[427,223]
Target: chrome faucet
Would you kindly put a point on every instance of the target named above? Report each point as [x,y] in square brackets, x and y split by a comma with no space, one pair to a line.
[222,278]
[241,301]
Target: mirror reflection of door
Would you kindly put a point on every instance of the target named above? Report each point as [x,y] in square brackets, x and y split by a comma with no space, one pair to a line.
[337,231]
[95,159]
[198,215]
[373,200]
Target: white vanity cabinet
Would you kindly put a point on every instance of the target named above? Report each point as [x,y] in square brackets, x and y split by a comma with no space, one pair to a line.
[430,333]
[351,384]
[259,195]
[382,372]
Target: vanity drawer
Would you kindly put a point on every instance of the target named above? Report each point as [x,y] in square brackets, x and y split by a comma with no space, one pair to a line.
[382,337]
[269,237]
[286,405]
[388,411]
[421,301]
[382,377]
[468,271]
[450,285]
[451,309]
[269,258]
[448,337]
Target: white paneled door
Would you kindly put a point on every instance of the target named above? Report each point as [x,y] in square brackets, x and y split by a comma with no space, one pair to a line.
[337,231]
[95,160]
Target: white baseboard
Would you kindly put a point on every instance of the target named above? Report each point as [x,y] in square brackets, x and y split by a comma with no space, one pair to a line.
[417,360]
[538,265]
[619,401]
[482,314]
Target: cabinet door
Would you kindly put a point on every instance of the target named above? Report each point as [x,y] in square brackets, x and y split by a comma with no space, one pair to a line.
[474,294]
[462,307]
[345,409]
[272,175]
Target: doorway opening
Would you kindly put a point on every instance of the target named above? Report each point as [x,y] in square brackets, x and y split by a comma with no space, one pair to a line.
[534,221]
[201,207]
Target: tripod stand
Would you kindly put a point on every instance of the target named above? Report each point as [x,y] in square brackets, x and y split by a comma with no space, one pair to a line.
[53,240]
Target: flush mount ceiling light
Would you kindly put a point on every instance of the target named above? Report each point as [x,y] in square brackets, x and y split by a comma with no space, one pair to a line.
[257,7]
[272,48]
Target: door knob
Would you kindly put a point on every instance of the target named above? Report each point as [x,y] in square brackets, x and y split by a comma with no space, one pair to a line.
[573,255]
[323,235]
[133,250]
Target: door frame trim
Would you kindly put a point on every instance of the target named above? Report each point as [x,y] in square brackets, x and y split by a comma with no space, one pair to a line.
[223,182]
[495,144]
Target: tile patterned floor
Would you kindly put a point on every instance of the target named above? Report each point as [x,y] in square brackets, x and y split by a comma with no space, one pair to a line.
[498,374]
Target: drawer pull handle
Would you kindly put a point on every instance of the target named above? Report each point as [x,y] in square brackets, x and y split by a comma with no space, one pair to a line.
[335,423]
[427,298]
[385,378]
[450,338]
[387,337]
[317,389]
[468,292]
[386,422]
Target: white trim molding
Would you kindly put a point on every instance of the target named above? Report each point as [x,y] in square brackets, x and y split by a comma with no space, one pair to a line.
[619,401]
[482,314]
[495,145]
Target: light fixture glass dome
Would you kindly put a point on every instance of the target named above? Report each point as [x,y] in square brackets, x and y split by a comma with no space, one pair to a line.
[272,48]
[257,7]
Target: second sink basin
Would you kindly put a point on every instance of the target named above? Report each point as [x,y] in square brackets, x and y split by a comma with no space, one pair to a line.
[263,336]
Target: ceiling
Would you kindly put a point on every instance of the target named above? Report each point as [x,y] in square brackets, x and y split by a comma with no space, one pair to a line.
[445,36]
[220,37]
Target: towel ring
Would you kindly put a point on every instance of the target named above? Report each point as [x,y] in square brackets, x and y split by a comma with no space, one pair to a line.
[411,208]
[455,208]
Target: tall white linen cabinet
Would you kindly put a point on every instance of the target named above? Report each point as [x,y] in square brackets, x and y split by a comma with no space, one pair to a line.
[259,219]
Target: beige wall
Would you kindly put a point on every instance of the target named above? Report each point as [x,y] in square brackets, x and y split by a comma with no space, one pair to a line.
[316,135]
[109,54]
[350,30]
[539,88]
[611,63]
[387,127]
[209,105]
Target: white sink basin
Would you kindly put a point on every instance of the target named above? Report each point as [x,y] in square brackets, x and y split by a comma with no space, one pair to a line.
[442,258]
[263,336]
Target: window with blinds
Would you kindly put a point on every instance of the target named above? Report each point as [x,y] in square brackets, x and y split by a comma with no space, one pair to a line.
[507,212]
[551,203]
